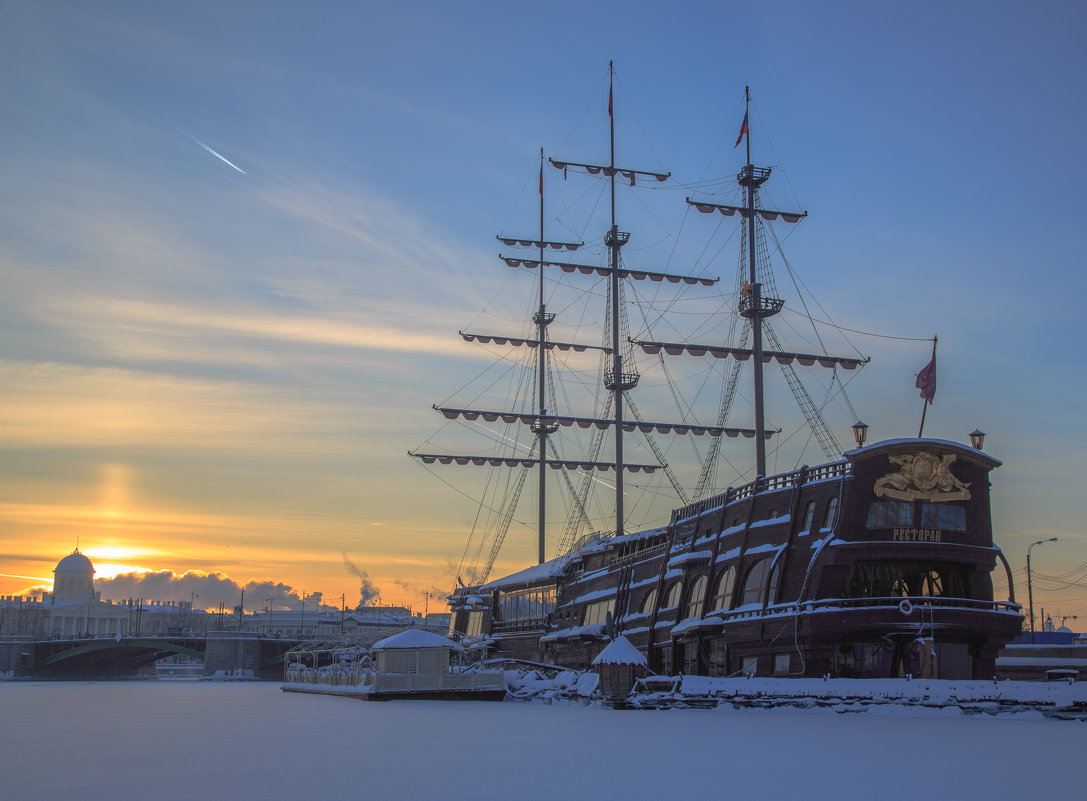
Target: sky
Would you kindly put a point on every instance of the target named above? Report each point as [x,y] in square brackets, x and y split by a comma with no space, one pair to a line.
[240,240]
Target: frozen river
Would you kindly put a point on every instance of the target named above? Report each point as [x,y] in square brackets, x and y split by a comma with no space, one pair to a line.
[159,741]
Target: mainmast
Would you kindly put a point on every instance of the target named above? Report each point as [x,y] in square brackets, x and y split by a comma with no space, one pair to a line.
[616,381]
[542,426]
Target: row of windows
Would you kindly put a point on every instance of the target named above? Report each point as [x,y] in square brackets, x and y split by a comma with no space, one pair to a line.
[887,579]
[830,515]
[889,514]
[759,582]
[526,604]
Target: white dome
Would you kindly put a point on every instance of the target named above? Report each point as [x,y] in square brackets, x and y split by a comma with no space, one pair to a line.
[75,561]
[73,578]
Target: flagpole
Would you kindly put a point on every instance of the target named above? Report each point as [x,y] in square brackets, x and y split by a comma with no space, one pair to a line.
[925,401]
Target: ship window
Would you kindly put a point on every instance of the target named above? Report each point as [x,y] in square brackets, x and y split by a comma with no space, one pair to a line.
[722,594]
[475,623]
[809,516]
[888,514]
[694,600]
[649,601]
[832,514]
[782,664]
[671,598]
[943,515]
[751,665]
[885,579]
[755,583]
[772,585]
[598,612]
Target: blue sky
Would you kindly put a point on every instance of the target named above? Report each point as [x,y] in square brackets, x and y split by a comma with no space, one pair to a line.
[226,369]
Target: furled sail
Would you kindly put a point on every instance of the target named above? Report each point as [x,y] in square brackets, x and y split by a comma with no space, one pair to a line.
[743,354]
[624,272]
[538,243]
[519,342]
[513,461]
[598,422]
[597,169]
[766,214]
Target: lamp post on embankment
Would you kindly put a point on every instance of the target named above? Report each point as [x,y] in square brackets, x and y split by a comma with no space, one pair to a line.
[1030,588]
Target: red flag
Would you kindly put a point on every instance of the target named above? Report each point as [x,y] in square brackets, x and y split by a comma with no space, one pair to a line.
[609,101]
[926,379]
[743,130]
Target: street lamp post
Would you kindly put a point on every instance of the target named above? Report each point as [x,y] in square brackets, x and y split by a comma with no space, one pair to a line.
[303,624]
[1030,589]
[268,608]
[192,599]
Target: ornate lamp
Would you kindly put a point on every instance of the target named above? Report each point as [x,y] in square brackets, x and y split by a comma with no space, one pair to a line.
[977,438]
[860,433]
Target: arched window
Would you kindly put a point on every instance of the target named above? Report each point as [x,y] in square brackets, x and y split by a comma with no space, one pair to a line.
[649,601]
[722,593]
[809,517]
[772,584]
[755,583]
[694,599]
[832,513]
[671,598]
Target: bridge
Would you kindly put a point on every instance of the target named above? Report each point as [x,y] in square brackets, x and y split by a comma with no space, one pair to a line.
[220,652]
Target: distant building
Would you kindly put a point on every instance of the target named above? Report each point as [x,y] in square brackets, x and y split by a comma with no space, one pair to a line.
[75,609]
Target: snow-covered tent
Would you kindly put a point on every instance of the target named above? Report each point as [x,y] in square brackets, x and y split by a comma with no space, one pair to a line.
[619,665]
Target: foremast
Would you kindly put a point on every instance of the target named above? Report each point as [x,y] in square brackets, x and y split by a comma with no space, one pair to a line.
[751,179]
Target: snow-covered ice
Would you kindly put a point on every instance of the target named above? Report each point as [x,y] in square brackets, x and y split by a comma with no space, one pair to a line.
[125,741]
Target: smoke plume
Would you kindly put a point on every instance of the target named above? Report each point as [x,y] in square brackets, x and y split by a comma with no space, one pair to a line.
[367,591]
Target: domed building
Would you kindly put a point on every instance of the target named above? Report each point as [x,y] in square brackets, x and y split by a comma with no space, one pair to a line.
[73,579]
[75,609]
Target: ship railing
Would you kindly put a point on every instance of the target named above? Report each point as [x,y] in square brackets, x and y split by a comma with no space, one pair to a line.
[528,625]
[781,481]
[903,604]
[638,556]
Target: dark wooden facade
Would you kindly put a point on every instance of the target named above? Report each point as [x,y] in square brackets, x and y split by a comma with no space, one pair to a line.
[876,566]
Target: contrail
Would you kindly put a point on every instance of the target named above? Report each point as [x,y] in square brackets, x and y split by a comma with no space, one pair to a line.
[217,155]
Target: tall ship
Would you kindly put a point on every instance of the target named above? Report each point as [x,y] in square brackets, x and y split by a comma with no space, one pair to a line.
[877,563]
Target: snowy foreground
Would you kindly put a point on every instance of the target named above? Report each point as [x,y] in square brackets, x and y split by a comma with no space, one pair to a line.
[207,740]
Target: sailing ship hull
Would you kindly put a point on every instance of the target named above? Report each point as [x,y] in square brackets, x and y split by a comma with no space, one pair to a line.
[878,566]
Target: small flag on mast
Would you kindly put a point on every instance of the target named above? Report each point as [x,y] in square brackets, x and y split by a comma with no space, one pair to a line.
[926,379]
[609,101]
[743,130]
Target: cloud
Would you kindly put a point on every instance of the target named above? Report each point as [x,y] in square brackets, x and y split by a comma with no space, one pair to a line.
[212,589]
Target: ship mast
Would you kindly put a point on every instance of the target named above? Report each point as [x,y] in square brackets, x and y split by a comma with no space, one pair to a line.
[751,181]
[542,420]
[542,426]
[616,381]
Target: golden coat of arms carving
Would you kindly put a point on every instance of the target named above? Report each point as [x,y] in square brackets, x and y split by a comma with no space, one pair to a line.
[922,477]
